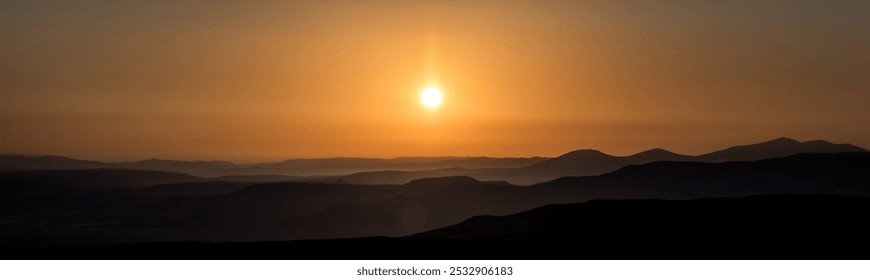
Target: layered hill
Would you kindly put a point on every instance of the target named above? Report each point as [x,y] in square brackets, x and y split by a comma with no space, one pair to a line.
[522,171]
[593,162]
[292,169]
[222,211]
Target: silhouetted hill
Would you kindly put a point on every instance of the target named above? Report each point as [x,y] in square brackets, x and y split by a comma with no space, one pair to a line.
[20,162]
[765,216]
[581,163]
[781,226]
[760,227]
[779,147]
[839,173]
[593,162]
[658,154]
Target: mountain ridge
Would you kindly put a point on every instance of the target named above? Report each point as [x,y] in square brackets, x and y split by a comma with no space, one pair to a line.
[232,211]
[523,171]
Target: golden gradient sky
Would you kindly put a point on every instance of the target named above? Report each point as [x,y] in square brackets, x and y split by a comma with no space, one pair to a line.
[270,80]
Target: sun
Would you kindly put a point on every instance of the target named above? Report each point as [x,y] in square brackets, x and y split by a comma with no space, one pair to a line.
[431,97]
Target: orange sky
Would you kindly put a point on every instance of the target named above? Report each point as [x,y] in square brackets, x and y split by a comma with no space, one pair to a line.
[270,80]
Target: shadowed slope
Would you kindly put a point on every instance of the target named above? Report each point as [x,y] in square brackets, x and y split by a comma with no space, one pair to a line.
[761,217]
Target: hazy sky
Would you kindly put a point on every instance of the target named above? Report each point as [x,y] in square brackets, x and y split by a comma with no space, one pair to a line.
[270,80]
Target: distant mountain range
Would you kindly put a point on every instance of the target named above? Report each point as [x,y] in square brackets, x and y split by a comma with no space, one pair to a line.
[90,211]
[293,168]
[593,162]
[523,171]
[48,203]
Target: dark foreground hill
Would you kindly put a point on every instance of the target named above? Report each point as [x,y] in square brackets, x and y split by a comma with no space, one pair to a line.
[760,227]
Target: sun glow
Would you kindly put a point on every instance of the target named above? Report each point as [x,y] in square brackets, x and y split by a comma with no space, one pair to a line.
[431,97]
